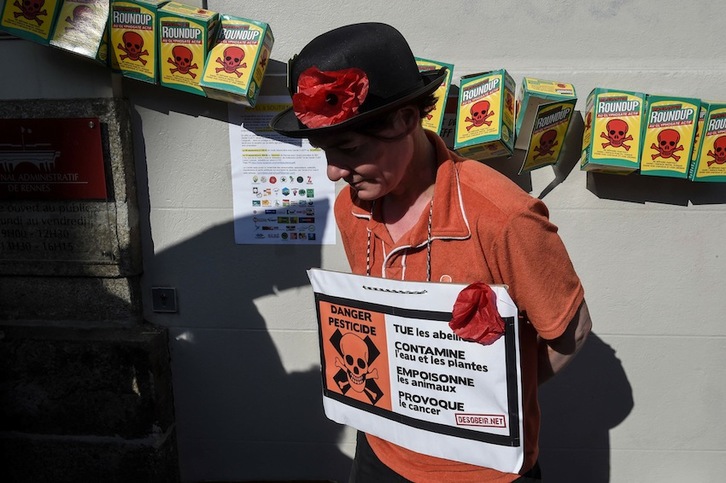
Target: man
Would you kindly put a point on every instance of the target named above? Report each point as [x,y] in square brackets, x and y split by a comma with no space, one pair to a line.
[413,210]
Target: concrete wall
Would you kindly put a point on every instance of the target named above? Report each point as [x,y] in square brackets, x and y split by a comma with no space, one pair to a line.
[644,400]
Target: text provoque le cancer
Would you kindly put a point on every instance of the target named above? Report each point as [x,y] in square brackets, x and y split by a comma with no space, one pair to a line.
[440,382]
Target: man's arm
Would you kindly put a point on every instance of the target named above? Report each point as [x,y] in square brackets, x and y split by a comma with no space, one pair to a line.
[555,354]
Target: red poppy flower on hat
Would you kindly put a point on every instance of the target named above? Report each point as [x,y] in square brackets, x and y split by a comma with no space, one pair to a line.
[475,317]
[327,98]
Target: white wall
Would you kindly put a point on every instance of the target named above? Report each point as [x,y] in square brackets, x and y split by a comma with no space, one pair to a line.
[644,402]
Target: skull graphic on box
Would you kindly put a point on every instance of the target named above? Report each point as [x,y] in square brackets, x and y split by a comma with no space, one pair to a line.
[616,131]
[509,101]
[480,114]
[547,141]
[719,151]
[264,58]
[668,140]
[182,58]
[31,10]
[354,369]
[81,15]
[588,120]
[232,62]
[133,46]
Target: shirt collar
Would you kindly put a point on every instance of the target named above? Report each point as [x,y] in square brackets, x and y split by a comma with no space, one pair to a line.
[449,218]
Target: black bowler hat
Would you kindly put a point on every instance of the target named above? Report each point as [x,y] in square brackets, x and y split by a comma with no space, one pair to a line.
[348,76]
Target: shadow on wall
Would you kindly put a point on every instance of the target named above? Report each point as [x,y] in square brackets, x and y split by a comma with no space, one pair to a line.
[579,408]
[569,158]
[570,154]
[240,415]
[637,188]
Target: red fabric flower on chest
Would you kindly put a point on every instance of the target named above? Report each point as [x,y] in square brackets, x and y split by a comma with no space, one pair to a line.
[475,317]
[327,98]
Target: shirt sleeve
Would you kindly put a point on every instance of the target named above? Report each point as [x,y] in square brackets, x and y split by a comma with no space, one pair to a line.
[533,261]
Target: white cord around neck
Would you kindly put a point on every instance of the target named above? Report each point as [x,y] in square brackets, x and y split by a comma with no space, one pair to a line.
[428,243]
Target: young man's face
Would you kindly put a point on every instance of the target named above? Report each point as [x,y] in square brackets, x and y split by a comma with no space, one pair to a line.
[373,166]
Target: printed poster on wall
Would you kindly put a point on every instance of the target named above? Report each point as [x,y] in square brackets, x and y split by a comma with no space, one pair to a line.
[392,367]
[281,192]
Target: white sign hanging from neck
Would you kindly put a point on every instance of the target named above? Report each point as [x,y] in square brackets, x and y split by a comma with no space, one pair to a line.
[393,368]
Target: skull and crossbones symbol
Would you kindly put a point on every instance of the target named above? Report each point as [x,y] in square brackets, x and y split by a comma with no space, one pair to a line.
[509,101]
[668,140]
[546,143]
[132,45]
[719,151]
[182,60]
[31,9]
[355,367]
[479,114]
[232,62]
[81,15]
[616,131]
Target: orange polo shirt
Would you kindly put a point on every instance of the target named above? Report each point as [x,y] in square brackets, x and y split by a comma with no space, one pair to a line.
[484,229]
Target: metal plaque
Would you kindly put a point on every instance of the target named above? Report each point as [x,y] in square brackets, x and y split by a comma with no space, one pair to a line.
[51,159]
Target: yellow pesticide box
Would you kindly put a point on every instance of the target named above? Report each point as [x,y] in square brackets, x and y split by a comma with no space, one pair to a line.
[485,115]
[236,65]
[80,28]
[544,112]
[186,35]
[434,120]
[669,130]
[710,164]
[133,41]
[30,20]
[611,140]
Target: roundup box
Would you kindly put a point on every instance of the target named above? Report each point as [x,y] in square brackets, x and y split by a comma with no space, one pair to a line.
[544,112]
[710,163]
[669,131]
[133,40]
[434,119]
[80,28]
[30,20]
[185,38]
[485,115]
[237,63]
[611,140]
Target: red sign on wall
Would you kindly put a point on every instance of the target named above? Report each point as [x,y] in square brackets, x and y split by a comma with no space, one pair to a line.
[51,159]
